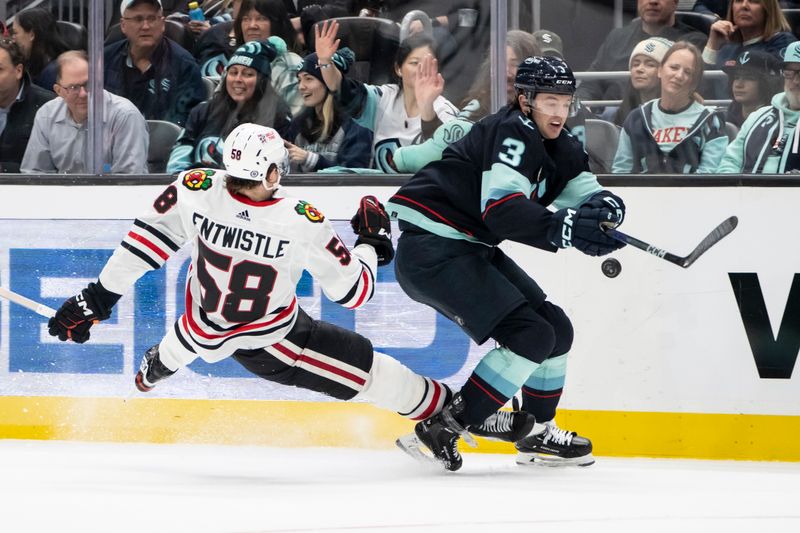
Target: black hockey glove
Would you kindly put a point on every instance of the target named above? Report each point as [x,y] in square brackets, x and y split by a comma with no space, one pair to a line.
[371,224]
[77,315]
[581,228]
[609,200]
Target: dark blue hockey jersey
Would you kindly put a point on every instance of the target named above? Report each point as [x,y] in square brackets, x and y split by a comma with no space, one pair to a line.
[495,183]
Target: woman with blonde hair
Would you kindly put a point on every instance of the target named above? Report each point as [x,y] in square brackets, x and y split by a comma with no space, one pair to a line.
[749,25]
[675,133]
[323,135]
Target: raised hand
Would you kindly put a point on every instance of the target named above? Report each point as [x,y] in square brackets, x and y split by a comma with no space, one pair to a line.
[325,42]
[428,86]
[720,34]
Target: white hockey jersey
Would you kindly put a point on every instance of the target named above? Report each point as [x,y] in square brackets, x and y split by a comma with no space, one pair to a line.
[247,259]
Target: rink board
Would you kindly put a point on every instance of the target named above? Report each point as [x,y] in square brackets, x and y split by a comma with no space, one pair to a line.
[664,363]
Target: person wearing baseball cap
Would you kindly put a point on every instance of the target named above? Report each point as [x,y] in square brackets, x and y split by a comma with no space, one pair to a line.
[549,43]
[768,141]
[158,75]
[755,77]
[644,84]
[127,4]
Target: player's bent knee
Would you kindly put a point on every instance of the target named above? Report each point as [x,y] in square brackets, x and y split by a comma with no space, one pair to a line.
[562,326]
[534,342]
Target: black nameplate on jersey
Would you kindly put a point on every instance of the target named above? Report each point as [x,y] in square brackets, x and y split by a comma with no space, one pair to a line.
[237,238]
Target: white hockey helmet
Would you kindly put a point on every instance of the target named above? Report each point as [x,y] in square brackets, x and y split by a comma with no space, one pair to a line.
[251,150]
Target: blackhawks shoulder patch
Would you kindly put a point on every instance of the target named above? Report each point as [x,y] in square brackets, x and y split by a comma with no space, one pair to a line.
[309,211]
[198,180]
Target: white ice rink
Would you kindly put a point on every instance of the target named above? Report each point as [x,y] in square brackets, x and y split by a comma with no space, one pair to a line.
[57,487]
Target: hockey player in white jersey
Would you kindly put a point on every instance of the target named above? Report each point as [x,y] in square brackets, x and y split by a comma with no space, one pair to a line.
[251,245]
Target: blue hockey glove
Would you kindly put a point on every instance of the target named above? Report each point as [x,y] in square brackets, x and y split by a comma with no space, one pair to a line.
[581,228]
[609,200]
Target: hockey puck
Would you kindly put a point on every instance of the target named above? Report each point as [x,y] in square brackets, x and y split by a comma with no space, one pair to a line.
[611,268]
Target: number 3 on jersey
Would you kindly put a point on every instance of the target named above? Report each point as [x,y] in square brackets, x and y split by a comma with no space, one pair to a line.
[512,152]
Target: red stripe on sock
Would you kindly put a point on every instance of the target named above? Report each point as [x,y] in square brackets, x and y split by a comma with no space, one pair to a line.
[502,403]
[437,392]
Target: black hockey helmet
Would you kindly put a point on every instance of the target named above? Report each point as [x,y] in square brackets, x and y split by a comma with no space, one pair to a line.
[545,74]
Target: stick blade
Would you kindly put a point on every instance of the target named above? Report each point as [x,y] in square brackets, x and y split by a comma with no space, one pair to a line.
[717,234]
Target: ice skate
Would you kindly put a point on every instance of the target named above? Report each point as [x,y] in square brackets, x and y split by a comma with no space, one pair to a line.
[151,371]
[553,446]
[436,439]
[506,426]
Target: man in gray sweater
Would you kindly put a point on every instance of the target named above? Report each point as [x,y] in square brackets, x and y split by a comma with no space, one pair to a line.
[59,136]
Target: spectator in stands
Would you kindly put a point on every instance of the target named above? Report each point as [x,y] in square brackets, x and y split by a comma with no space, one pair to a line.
[37,35]
[398,114]
[519,45]
[58,139]
[154,72]
[749,25]
[656,19]
[20,99]
[768,141]
[476,105]
[755,77]
[461,31]
[246,95]
[549,43]
[674,134]
[323,134]
[644,84]
[219,40]
[258,20]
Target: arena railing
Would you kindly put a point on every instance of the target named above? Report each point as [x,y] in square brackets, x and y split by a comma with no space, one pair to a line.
[395,180]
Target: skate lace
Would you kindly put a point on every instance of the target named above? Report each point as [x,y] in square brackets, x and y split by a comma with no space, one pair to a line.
[558,435]
[500,422]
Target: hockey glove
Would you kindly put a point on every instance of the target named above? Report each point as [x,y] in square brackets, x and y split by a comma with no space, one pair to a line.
[77,315]
[581,228]
[609,200]
[371,224]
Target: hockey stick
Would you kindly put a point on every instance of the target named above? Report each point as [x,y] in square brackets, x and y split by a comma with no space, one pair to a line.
[36,307]
[716,235]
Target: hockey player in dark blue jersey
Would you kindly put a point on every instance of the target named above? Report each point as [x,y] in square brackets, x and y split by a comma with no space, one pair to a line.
[492,185]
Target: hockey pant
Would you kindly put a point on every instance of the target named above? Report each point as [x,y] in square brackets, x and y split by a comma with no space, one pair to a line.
[489,296]
[337,362]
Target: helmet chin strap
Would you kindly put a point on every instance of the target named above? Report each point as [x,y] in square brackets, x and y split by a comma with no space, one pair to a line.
[271,186]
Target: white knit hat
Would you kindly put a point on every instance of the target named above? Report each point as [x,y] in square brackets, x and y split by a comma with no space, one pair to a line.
[653,47]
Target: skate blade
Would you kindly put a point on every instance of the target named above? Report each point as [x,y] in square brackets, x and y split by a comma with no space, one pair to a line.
[415,449]
[542,459]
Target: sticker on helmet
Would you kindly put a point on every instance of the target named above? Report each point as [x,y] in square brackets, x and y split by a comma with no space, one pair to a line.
[309,211]
[198,180]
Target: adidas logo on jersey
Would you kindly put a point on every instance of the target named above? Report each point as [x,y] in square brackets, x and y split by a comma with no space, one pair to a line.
[244,215]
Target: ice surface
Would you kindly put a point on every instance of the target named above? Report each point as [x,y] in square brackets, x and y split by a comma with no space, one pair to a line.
[56,487]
